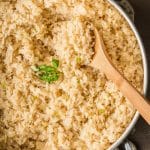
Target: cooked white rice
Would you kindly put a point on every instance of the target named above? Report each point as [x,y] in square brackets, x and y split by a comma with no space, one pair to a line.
[82,110]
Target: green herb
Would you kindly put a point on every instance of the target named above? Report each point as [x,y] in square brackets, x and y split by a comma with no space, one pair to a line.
[78,81]
[55,63]
[3,85]
[35,97]
[101,111]
[78,59]
[56,114]
[51,77]
[48,73]
[46,69]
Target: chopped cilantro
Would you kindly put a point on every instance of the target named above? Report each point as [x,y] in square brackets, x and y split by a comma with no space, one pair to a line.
[3,85]
[101,111]
[48,73]
[55,63]
[78,59]
[78,81]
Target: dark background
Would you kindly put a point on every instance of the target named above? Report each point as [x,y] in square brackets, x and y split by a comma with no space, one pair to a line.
[141,136]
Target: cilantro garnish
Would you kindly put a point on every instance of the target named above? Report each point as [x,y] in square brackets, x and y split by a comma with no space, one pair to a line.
[55,63]
[48,73]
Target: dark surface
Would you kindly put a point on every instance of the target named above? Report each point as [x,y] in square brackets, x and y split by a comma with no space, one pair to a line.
[141,135]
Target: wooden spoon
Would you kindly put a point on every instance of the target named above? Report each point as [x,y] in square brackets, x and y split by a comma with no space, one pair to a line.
[102,61]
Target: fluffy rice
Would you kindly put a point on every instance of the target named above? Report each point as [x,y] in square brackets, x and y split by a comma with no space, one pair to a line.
[82,110]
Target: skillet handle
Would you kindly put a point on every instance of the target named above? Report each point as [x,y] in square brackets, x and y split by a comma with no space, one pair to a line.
[127,145]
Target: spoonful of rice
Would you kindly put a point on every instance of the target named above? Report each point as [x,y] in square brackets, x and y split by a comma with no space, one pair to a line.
[102,61]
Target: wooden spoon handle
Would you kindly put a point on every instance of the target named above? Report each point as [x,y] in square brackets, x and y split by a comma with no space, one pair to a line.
[102,61]
[129,92]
